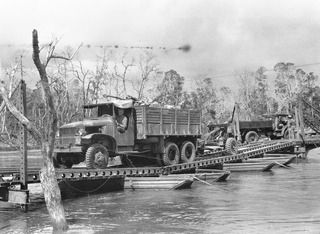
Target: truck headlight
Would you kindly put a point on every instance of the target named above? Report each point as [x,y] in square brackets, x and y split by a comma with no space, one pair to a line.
[221,141]
[77,140]
[81,132]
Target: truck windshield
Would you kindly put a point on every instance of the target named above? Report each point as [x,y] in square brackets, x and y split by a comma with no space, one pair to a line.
[98,111]
[90,113]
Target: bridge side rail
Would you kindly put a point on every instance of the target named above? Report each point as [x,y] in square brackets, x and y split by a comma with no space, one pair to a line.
[243,155]
[80,174]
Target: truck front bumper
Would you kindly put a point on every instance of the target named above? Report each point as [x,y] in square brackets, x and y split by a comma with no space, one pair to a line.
[68,149]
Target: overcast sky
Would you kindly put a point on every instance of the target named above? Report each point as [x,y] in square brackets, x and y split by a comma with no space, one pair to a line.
[225,36]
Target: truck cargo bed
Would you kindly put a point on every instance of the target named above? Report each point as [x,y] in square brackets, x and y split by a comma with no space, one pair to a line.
[153,121]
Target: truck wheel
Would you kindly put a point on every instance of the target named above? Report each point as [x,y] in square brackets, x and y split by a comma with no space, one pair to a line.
[97,156]
[231,146]
[251,136]
[188,152]
[171,155]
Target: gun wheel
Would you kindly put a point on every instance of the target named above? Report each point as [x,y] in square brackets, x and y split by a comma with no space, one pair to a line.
[231,146]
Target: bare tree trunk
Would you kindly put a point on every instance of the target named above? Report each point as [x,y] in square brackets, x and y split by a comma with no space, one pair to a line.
[48,179]
[52,194]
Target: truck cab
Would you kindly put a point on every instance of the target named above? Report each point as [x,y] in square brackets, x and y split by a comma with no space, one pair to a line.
[280,125]
[97,136]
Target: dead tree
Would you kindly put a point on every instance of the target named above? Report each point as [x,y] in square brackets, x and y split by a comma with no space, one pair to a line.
[47,174]
[123,75]
[81,75]
[11,73]
[148,68]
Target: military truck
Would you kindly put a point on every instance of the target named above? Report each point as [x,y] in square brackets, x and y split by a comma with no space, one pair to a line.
[273,126]
[169,135]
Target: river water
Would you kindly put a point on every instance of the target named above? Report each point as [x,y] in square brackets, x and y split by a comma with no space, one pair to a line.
[281,201]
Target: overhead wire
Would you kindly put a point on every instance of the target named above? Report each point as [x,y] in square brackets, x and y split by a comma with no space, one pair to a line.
[163,48]
[115,46]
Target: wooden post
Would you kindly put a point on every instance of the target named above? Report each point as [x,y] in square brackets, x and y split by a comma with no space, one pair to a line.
[189,119]
[145,122]
[18,99]
[301,122]
[23,138]
[200,127]
[238,135]
[297,122]
[175,121]
[161,121]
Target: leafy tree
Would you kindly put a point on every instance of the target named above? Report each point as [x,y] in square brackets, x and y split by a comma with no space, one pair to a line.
[205,99]
[307,84]
[292,83]
[225,104]
[247,95]
[186,100]
[260,92]
[286,86]
[170,89]
[254,94]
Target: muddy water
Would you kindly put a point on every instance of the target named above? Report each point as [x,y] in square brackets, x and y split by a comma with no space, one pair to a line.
[282,201]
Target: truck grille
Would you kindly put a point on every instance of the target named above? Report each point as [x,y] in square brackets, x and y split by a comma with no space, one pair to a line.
[67,136]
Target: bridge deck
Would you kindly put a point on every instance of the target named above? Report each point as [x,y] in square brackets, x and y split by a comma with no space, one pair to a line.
[10,173]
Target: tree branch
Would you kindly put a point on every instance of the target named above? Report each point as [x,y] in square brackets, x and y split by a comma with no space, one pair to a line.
[54,56]
[20,117]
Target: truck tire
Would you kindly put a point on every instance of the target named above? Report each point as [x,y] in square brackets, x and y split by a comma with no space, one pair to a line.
[231,146]
[188,152]
[171,154]
[97,156]
[251,136]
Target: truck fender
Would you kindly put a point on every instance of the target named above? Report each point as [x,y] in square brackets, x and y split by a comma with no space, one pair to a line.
[103,139]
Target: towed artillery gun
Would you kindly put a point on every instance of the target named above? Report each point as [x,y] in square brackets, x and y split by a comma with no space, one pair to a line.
[275,126]
[170,136]
[221,135]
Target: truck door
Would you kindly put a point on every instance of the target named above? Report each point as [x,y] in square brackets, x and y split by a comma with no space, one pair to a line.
[127,137]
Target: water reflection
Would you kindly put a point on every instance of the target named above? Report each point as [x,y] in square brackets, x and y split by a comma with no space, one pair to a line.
[278,202]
